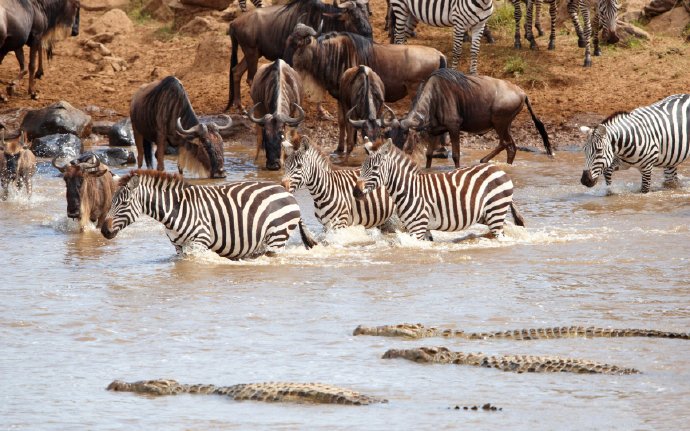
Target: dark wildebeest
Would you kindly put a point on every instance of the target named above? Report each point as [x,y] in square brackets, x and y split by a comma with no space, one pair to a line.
[277,96]
[359,106]
[162,114]
[38,24]
[17,165]
[263,32]
[90,187]
[452,102]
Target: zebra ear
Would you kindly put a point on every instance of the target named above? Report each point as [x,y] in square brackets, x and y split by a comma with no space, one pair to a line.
[133,182]
[600,130]
[368,145]
[386,147]
[287,147]
[585,129]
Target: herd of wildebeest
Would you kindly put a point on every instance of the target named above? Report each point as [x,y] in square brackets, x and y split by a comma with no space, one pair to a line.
[315,48]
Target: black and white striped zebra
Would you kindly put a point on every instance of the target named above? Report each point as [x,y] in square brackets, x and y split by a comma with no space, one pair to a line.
[243,4]
[449,201]
[649,136]
[532,12]
[331,189]
[604,19]
[235,220]
[462,15]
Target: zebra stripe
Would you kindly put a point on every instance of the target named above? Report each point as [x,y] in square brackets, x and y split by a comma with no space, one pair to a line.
[235,220]
[649,136]
[530,5]
[605,13]
[336,208]
[243,4]
[462,15]
[448,201]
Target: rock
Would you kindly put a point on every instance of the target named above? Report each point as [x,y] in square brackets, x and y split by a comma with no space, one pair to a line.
[212,55]
[57,145]
[101,127]
[629,29]
[671,23]
[116,156]
[114,21]
[60,117]
[112,64]
[230,13]
[121,134]
[159,73]
[103,37]
[208,4]
[197,26]
[103,5]
[182,14]
[158,9]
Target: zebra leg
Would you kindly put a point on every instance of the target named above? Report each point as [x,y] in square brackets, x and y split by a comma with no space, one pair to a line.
[276,238]
[537,21]
[608,175]
[573,8]
[595,32]
[400,23]
[552,14]
[477,32]
[243,5]
[671,178]
[518,17]
[458,34]
[528,25]
[584,6]
[646,178]
[495,219]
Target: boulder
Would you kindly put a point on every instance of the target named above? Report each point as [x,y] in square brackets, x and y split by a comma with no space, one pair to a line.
[103,37]
[103,5]
[212,55]
[121,134]
[61,145]
[197,26]
[158,9]
[116,156]
[60,117]
[208,4]
[114,21]
[671,23]
[101,127]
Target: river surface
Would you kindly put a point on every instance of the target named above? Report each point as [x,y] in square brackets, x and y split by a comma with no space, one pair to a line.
[78,311]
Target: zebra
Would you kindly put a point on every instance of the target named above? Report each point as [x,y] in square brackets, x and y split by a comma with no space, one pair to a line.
[462,15]
[605,15]
[243,4]
[336,208]
[235,220]
[449,201]
[530,6]
[649,136]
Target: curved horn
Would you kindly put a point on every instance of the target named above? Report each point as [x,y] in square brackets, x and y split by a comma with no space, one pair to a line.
[182,130]
[414,122]
[355,123]
[387,110]
[228,123]
[292,122]
[320,29]
[90,165]
[253,119]
[59,168]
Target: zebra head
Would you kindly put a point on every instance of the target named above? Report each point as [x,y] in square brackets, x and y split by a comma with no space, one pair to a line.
[125,209]
[598,155]
[295,153]
[374,169]
[608,14]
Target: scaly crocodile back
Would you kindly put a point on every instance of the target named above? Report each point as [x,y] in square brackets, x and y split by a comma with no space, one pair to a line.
[271,391]
[514,363]
[417,330]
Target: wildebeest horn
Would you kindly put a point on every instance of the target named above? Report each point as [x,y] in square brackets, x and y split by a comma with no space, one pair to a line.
[90,164]
[346,4]
[304,30]
[259,121]
[228,123]
[362,2]
[388,110]
[320,29]
[182,130]
[355,123]
[292,122]
[59,168]
[413,122]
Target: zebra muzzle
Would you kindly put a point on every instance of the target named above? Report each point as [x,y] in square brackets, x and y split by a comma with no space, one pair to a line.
[358,190]
[587,179]
[107,229]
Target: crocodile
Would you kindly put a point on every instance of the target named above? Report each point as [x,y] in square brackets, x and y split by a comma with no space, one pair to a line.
[417,330]
[316,393]
[514,363]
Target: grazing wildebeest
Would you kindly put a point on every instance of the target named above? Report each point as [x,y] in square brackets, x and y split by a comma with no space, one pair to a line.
[359,106]
[90,187]
[17,165]
[277,96]
[37,24]
[452,102]
[322,60]
[263,32]
[162,114]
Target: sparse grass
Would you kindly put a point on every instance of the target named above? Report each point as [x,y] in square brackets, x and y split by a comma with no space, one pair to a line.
[515,66]
[503,18]
[164,33]
[632,43]
[135,13]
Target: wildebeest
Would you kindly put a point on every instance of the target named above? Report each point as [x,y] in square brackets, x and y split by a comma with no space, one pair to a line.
[323,59]
[277,96]
[359,106]
[162,114]
[38,24]
[90,187]
[17,165]
[452,102]
[263,32]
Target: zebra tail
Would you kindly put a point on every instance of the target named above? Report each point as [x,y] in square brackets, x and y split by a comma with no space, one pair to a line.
[540,127]
[233,63]
[307,239]
[148,153]
[519,220]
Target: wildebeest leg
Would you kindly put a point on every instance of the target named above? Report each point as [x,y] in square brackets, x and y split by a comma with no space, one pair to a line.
[39,72]
[259,141]
[251,59]
[237,73]
[501,146]
[161,141]
[455,142]
[323,113]
[33,52]
[139,142]
[431,146]
[22,65]
[344,127]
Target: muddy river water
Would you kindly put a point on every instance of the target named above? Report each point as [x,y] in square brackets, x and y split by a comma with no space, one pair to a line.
[77,311]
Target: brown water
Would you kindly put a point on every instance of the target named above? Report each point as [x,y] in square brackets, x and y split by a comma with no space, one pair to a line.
[77,311]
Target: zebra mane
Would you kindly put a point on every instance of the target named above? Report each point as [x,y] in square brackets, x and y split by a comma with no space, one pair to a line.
[151,173]
[318,149]
[614,116]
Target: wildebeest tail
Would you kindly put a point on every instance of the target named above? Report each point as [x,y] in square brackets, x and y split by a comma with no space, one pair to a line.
[443,63]
[307,239]
[540,127]
[148,153]
[233,63]
[519,220]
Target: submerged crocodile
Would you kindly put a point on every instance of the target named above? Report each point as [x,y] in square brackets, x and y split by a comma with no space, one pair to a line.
[316,393]
[417,330]
[514,363]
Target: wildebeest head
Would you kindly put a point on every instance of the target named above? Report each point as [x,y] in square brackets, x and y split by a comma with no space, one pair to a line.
[203,148]
[354,16]
[75,174]
[374,168]
[11,153]
[598,155]
[370,127]
[399,130]
[273,132]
